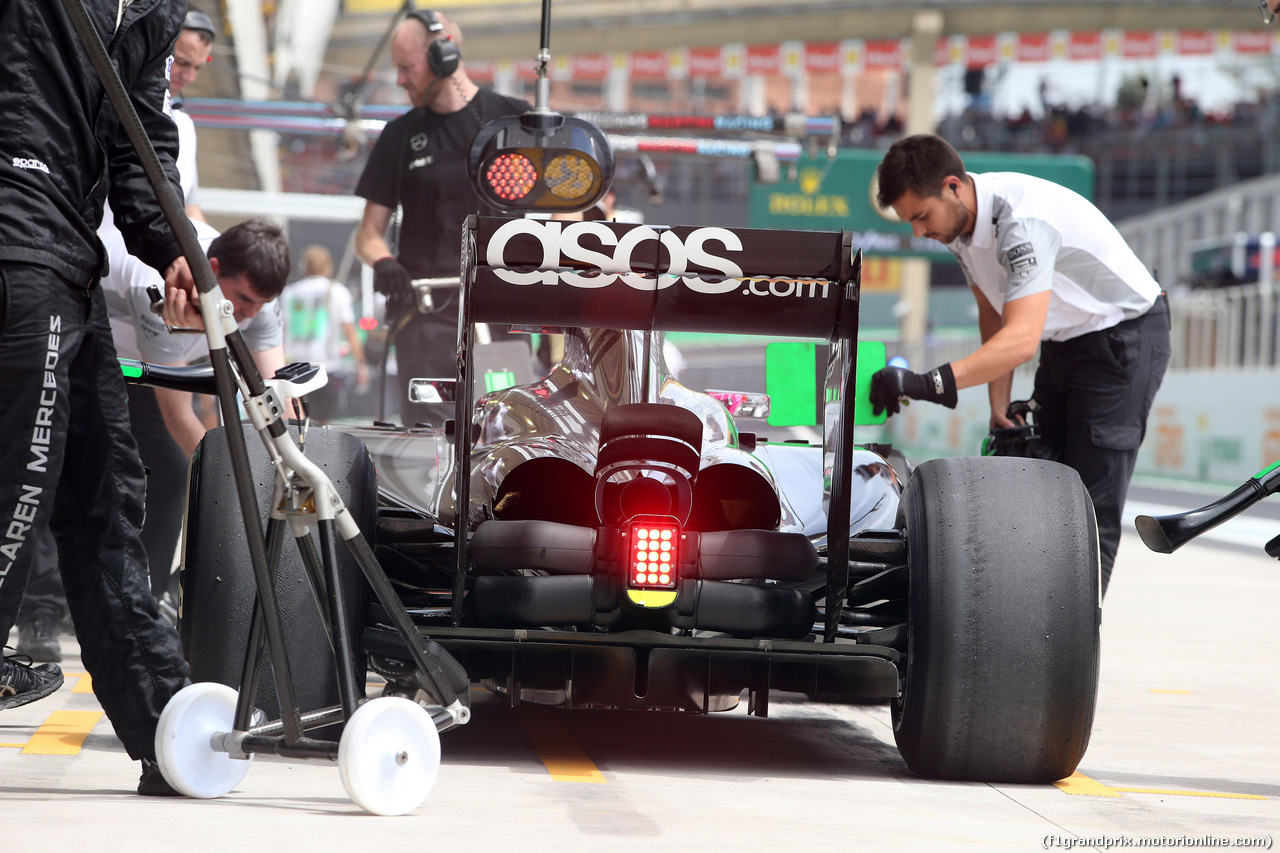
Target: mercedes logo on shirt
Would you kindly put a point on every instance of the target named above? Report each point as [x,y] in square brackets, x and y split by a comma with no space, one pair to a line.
[418,142]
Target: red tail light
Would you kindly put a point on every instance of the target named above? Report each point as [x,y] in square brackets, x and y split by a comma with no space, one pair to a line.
[653,550]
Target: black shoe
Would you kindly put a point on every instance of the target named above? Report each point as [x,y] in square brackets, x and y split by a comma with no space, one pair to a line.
[152,783]
[38,640]
[21,683]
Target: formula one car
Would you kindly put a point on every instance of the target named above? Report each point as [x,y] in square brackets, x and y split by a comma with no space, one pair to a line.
[604,537]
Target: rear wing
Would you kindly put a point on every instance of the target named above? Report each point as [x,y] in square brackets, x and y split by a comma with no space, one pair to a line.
[626,276]
[657,278]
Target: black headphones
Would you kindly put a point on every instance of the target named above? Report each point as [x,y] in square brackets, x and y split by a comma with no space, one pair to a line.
[443,55]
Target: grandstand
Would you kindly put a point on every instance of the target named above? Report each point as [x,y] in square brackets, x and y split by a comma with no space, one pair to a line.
[1179,168]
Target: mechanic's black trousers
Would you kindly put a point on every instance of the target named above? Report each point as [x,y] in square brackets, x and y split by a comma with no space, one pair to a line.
[67,461]
[1095,393]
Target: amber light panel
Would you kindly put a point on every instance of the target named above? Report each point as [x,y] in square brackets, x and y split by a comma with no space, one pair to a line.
[570,176]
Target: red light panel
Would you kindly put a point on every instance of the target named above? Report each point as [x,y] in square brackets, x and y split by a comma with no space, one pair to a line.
[652,556]
[512,176]
[368,324]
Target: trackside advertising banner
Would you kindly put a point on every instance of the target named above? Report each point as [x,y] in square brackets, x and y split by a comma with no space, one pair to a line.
[849,57]
[629,276]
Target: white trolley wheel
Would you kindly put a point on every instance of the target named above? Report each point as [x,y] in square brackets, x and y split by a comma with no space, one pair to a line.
[389,755]
[184,750]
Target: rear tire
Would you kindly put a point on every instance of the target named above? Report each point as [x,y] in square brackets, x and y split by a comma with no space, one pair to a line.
[217,582]
[1002,665]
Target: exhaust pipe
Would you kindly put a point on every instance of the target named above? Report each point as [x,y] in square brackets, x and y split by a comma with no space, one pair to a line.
[1168,533]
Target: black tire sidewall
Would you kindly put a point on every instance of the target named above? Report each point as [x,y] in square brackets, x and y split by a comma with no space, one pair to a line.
[1003,642]
[217,581]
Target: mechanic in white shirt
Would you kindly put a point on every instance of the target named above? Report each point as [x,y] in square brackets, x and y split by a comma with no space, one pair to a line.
[251,263]
[191,52]
[1048,271]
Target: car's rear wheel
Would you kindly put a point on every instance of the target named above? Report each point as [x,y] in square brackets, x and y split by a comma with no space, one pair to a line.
[1002,667]
[217,581]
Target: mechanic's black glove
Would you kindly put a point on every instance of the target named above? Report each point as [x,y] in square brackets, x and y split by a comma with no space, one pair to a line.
[393,281]
[891,384]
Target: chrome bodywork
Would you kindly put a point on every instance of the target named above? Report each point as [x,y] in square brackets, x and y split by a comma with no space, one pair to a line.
[554,422]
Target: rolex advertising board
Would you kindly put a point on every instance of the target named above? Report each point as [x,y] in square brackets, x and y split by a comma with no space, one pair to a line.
[828,193]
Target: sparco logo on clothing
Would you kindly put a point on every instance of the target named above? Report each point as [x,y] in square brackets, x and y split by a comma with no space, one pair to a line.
[30,163]
[562,242]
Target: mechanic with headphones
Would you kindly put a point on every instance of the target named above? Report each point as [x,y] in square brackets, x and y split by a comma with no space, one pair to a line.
[1048,271]
[419,164]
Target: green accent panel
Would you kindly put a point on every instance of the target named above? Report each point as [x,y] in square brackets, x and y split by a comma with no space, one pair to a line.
[794,379]
[1265,471]
[131,369]
[791,380]
[871,357]
[497,380]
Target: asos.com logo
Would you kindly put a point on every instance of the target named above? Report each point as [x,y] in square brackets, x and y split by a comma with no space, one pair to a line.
[562,241]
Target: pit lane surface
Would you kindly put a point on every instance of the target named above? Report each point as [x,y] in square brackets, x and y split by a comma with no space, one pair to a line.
[1185,745]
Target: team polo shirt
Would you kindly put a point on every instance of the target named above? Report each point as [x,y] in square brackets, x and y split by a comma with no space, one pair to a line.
[1032,235]
[141,334]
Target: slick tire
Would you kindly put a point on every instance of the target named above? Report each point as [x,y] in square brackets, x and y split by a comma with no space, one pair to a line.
[217,580]
[1002,664]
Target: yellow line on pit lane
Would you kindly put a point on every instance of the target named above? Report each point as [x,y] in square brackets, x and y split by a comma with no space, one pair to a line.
[1080,784]
[1191,793]
[563,756]
[83,681]
[63,733]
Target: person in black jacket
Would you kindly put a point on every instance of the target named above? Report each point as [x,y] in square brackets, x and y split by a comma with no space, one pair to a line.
[67,459]
[44,606]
